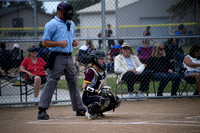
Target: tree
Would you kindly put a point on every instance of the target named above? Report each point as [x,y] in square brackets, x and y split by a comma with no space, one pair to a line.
[180,9]
[7,4]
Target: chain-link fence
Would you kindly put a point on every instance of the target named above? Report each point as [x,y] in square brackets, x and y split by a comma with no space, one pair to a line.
[105,25]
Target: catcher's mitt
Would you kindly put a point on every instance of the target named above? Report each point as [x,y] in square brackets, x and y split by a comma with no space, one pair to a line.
[105,91]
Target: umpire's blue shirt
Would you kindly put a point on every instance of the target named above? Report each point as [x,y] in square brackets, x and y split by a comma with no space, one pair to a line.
[56,30]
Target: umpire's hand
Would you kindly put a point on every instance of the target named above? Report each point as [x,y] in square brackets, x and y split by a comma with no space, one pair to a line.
[75,43]
[63,44]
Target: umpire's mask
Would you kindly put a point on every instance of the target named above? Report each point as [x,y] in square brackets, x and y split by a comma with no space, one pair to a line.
[69,10]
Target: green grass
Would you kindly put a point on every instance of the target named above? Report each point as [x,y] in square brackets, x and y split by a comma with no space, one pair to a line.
[186,49]
[112,83]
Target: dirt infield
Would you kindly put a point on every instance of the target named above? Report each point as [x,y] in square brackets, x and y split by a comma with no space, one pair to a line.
[151,116]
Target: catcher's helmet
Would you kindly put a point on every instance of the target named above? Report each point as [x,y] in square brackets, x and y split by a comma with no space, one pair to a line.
[94,55]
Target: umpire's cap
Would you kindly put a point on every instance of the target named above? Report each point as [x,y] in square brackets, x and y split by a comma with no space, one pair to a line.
[64,6]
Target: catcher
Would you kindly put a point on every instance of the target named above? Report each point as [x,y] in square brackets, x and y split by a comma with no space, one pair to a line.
[97,97]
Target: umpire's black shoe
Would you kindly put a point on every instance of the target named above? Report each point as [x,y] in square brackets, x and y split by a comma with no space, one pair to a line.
[42,115]
[81,112]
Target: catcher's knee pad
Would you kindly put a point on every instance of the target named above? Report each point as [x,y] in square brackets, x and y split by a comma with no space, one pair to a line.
[104,103]
[94,108]
[98,107]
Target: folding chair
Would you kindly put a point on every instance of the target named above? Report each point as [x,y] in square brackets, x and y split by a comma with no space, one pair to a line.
[119,83]
[187,80]
[191,81]
[124,83]
[154,86]
[25,89]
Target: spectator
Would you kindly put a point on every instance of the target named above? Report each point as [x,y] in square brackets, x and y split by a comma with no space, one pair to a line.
[144,51]
[93,82]
[89,46]
[2,54]
[147,31]
[83,54]
[179,41]
[112,53]
[109,33]
[162,70]
[171,48]
[131,70]
[33,66]
[17,56]
[100,41]
[2,46]
[5,58]
[192,63]
[43,52]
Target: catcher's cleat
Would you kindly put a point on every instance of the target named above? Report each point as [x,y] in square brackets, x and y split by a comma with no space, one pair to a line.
[42,115]
[89,116]
[101,115]
[81,112]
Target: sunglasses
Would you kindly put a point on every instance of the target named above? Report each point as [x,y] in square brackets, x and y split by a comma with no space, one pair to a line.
[161,49]
[33,50]
[126,48]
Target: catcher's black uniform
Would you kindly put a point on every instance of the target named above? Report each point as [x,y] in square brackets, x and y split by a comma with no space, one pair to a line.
[104,100]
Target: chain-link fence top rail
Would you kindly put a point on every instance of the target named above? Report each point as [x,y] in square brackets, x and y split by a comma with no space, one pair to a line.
[23,22]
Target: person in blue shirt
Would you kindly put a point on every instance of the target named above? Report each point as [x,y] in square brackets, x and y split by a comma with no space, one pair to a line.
[59,35]
[179,32]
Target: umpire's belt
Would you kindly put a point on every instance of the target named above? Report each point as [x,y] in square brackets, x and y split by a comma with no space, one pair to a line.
[62,53]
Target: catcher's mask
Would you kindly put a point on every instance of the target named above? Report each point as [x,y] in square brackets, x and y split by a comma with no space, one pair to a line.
[68,8]
[95,54]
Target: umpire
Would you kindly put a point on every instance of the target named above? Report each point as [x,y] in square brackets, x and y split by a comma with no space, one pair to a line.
[59,36]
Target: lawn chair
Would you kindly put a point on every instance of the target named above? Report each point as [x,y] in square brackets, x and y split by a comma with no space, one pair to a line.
[26,88]
[188,81]
[121,83]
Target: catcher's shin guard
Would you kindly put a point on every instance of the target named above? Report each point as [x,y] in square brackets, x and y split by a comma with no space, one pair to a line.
[104,103]
[98,107]
[117,101]
[94,108]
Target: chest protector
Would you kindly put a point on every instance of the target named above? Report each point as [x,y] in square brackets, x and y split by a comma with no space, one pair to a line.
[98,80]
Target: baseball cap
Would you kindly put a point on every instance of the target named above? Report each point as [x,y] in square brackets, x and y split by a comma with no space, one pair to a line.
[181,26]
[16,45]
[125,44]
